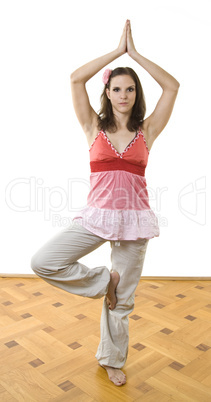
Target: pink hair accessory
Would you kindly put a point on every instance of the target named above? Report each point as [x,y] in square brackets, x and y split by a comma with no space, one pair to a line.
[106,76]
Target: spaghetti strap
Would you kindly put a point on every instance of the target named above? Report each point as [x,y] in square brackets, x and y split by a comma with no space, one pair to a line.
[94,140]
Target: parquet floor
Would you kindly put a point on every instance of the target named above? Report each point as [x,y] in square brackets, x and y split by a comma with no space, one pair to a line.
[48,340]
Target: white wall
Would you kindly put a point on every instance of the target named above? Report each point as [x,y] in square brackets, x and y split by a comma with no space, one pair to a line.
[45,160]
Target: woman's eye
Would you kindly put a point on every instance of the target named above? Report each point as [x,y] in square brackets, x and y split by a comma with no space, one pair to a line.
[131,89]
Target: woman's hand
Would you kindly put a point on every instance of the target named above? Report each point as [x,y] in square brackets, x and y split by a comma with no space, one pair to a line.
[130,44]
[123,41]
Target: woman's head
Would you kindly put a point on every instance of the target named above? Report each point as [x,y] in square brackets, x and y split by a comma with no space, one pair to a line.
[122,92]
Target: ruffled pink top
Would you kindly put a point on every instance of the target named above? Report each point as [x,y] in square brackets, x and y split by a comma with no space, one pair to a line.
[118,203]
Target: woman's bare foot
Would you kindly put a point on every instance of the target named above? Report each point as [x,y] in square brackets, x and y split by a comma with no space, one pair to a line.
[111,299]
[115,375]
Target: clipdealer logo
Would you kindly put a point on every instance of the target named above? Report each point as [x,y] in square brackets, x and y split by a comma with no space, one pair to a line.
[31,195]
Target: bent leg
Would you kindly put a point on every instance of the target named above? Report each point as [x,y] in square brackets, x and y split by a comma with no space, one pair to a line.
[57,262]
[127,260]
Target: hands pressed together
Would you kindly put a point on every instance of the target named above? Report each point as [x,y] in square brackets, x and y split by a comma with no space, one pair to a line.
[126,44]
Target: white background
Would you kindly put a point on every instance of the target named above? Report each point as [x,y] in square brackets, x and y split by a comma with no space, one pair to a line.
[44,153]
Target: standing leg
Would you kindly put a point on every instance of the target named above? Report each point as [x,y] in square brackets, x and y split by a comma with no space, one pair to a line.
[127,260]
[56,262]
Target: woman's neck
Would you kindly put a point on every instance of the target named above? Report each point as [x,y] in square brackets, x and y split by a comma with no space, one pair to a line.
[121,121]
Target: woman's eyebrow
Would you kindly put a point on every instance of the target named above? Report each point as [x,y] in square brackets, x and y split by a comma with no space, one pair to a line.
[132,85]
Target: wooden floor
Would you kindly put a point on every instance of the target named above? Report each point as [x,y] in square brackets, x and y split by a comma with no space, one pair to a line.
[48,340]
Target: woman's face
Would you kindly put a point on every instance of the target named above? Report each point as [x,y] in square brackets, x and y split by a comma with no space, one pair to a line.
[122,93]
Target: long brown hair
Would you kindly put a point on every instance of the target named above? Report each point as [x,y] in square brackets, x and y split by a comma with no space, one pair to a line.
[106,118]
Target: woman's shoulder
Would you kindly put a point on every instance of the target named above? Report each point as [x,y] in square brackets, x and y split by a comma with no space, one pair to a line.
[145,132]
[91,138]
[92,131]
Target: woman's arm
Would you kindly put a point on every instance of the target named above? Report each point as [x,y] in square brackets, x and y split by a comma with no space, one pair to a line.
[156,122]
[85,113]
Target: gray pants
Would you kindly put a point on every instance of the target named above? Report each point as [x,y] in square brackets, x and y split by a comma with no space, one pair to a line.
[57,263]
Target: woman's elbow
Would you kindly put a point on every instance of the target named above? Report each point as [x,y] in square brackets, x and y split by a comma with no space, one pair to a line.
[176,85]
[73,77]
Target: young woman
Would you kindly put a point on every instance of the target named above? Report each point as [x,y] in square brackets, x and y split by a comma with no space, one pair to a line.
[118,207]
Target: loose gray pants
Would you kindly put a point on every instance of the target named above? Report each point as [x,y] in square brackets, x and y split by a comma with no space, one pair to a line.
[57,263]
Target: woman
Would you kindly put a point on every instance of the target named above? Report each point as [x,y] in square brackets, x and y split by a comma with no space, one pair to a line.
[118,206]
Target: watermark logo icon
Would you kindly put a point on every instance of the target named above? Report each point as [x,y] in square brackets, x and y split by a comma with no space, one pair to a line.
[192,201]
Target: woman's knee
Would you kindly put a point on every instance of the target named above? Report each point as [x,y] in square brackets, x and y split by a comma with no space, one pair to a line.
[34,263]
[37,262]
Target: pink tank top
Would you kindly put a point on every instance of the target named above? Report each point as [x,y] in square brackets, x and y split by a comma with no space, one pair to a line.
[118,203]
